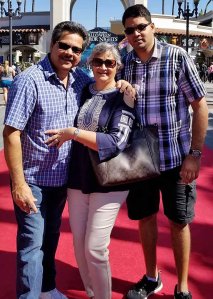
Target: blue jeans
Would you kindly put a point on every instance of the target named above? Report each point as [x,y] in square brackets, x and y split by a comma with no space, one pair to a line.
[37,240]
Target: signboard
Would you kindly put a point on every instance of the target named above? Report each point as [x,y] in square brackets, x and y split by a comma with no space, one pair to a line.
[97,35]
[4,40]
[20,38]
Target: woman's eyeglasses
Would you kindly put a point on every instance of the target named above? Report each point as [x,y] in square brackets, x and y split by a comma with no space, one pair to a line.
[63,46]
[98,62]
[139,28]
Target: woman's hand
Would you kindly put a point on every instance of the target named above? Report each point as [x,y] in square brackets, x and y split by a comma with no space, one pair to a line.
[59,136]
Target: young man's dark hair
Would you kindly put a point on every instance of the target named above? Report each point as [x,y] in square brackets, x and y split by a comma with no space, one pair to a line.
[138,10]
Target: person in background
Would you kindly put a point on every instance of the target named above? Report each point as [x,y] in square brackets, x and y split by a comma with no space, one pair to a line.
[7,74]
[93,208]
[18,68]
[203,72]
[210,71]
[167,84]
[197,67]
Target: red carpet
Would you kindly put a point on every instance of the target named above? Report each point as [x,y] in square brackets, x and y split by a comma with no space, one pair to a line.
[125,254]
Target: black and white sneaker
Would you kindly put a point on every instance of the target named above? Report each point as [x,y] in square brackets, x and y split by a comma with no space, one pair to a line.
[144,288]
[182,295]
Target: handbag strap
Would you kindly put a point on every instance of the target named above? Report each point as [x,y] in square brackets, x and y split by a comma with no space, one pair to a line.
[105,128]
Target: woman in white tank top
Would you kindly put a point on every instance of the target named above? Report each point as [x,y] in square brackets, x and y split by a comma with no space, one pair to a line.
[7,74]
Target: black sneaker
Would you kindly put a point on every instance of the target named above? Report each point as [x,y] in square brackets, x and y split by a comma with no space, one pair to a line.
[144,288]
[182,295]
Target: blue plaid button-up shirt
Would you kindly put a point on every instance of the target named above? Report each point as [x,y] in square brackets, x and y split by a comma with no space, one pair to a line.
[38,101]
[166,84]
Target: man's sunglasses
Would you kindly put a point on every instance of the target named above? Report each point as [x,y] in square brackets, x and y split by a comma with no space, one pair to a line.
[65,47]
[139,28]
[98,62]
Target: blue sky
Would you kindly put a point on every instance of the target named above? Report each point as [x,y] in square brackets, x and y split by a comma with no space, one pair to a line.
[84,10]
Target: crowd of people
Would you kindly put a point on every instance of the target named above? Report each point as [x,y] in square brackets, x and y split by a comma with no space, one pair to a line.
[54,114]
[7,74]
[205,72]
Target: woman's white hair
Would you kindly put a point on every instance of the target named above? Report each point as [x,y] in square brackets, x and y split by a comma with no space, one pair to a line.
[103,48]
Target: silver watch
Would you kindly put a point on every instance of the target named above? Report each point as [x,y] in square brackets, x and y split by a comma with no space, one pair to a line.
[76,133]
[195,153]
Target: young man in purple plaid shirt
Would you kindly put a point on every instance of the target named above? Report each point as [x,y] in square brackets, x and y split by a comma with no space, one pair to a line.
[168,83]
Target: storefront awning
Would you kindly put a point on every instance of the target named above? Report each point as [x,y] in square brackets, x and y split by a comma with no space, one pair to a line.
[29,29]
[170,31]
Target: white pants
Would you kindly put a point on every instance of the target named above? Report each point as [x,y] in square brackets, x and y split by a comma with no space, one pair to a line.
[92,217]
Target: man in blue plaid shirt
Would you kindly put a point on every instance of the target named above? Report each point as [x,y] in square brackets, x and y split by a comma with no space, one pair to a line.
[44,96]
[168,83]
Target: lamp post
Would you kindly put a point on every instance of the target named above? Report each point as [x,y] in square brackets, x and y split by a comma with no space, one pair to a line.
[187,13]
[9,13]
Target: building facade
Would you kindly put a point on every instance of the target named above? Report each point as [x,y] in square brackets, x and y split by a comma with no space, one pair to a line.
[30,36]
[32,31]
[173,30]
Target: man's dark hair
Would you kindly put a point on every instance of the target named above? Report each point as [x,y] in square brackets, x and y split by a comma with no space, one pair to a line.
[71,27]
[135,11]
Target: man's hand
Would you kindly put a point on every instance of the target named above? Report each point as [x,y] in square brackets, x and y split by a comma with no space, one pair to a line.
[127,88]
[190,169]
[24,199]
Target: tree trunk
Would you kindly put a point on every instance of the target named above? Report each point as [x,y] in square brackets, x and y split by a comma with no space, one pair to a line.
[96,14]
[163,6]
[33,5]
[173,7]
[25,4]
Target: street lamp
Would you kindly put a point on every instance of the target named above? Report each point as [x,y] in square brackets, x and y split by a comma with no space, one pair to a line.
[9,13]
[187,13]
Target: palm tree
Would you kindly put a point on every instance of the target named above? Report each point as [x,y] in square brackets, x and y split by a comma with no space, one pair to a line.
[33,5]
